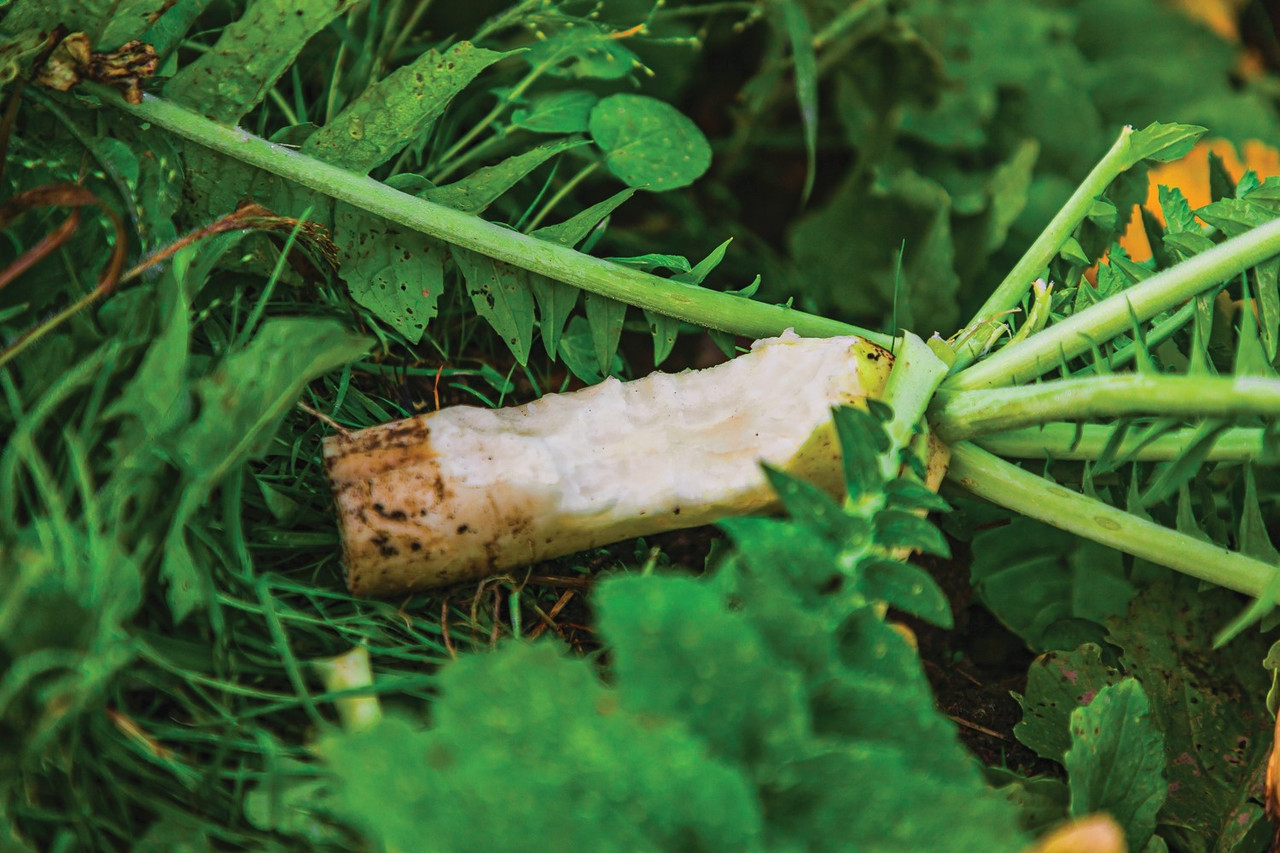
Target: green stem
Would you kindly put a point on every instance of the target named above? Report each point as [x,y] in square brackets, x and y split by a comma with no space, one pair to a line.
[690,303]
[1156,336]
[1037,257]
[915,377]
[1115,314]
[964,414]
[1009,486]
[1071,441]
[560,194]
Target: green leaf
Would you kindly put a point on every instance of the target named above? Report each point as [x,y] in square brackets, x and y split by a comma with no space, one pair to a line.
[671,634]
[809,563]
[910,495]
[648,143]
[1210,705]
[577,351]
[1177,212]
[1032,576]
[498,754]
[605,318]
[555,302]
[558,112]
[664,330]
[396,273]
[1057,684]
[501,297]
[805,59]
[242,403]
[1235,216]
[482,187]
[909,588]
[583,51]
[1116,761]
[1163,142]
[398,109]
[897,528]
[862,440]
[251,54]
[811,507]
[575,229]
[1042,802]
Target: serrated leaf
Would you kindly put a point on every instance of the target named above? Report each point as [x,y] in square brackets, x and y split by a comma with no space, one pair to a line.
[648,143]
[1032,576]
[1266,289]
[495,753]
[908,588]
[1176,210]
[811,507]
[1235,216]
[1188,243]
[605,318]
[396,273]
[1209,704]
[808,562]
[1116,761]
[1058,682]
[1163,142]
[910,495]
[398,109]
[500,296]
[558,112]
[253,51]
[895,528]
[668,633]
[482,187]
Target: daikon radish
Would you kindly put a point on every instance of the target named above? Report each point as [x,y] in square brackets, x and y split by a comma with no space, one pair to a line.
[466,492]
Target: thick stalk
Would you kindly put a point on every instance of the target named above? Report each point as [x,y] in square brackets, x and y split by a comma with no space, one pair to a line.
[1073,442]
[697,305]
[1009,486]
[916,373]
[1114,315]
[965,414]
[1015,285]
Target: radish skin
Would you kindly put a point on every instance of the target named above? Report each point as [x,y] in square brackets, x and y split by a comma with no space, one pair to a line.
[466,492]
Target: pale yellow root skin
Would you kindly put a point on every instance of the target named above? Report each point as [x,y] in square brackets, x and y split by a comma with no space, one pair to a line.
[467,492]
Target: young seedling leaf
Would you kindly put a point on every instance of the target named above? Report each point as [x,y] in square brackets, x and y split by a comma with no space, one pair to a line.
[664,330]
[482,187]
[809,562]
[396,273]
[862,440]
[399,108]
[1058,683]
[1163,142]
[895,528]
[811,507]
[649,144]
[251,54]
[558,112]
[501,297]
[1116,761]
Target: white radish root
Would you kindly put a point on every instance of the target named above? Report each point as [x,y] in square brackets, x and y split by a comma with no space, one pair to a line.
[466,492]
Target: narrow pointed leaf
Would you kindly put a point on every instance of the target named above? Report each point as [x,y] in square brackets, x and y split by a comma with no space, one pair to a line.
[482,187]
[605,317]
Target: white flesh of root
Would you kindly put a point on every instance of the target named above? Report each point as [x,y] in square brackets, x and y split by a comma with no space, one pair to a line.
[466,492]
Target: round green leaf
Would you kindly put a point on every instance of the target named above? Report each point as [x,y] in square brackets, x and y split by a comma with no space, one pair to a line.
[648,143]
